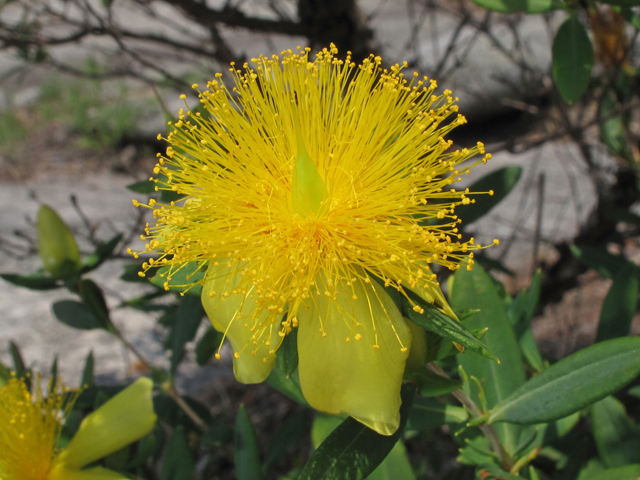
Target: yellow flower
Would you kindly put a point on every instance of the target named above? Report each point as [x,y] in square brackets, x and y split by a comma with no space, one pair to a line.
[305,185]
[31,429]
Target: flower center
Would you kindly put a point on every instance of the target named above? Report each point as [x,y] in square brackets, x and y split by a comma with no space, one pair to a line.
[308,196]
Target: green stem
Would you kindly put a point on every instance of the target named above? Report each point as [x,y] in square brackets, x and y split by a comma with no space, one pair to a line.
[488,431]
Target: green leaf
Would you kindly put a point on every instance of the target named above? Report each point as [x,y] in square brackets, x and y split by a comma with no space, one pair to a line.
[143,186]
[431,384]
[287,386]
[573,383]
[323,425]
[617,437]
[428,413]
[33,282]
[476,451]
[54,375]
[395,467]
[493,472]
[603,262]
[217,435]
[208,345]
[56,245]
[353,451]
[144,449]
[87,373]
[437,347]
[628,472]
[635,391]
[93,299]
[526,6]
[188,318]
[5,375]
[437,322]
[289,433]
[572,59]
[185,277]
[612,130]
[521,311]
[500,181]
[76,315]
[623,3]
[131,273]
[476,289]
[287,356]
[619,305]
[177,463]
[102,253]
[247,453]
[630,16]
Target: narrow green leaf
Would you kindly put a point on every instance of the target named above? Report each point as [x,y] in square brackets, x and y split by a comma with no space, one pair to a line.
[428,413]
[437,322]
[143,186]
[437,347]
[635,391]
[287,355]
[54,375]
[188,318]
[573,383]
[493,472]
[603,262]
[623,3]
[628,472]
[187,277]
[177,463]
[217,435]
[353,451]
[617,437]
[630,16]
[287,386]
[247,453]
[500,181]
[76,315]
[208,345]
[530,350]
[619,305]
[323,425]
[395,467]
[144,449]
[19,366]
[612,130]
[289,433]
[476,451]
[476,289]
[87,373]
[33,282]
[431,384]
[56,244]
[533,473]
[102,253]
[93,299]
[131,270]
[572,59]
[526,6]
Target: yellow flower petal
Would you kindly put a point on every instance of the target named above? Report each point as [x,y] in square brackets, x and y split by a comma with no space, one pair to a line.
[122,420]
[361,376]
[230,313]
[97,473]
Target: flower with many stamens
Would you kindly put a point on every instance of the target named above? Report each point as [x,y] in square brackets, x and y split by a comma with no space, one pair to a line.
[30,426]
[307,186]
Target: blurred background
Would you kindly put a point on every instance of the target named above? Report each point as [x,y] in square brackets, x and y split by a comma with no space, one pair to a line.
[86,86]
